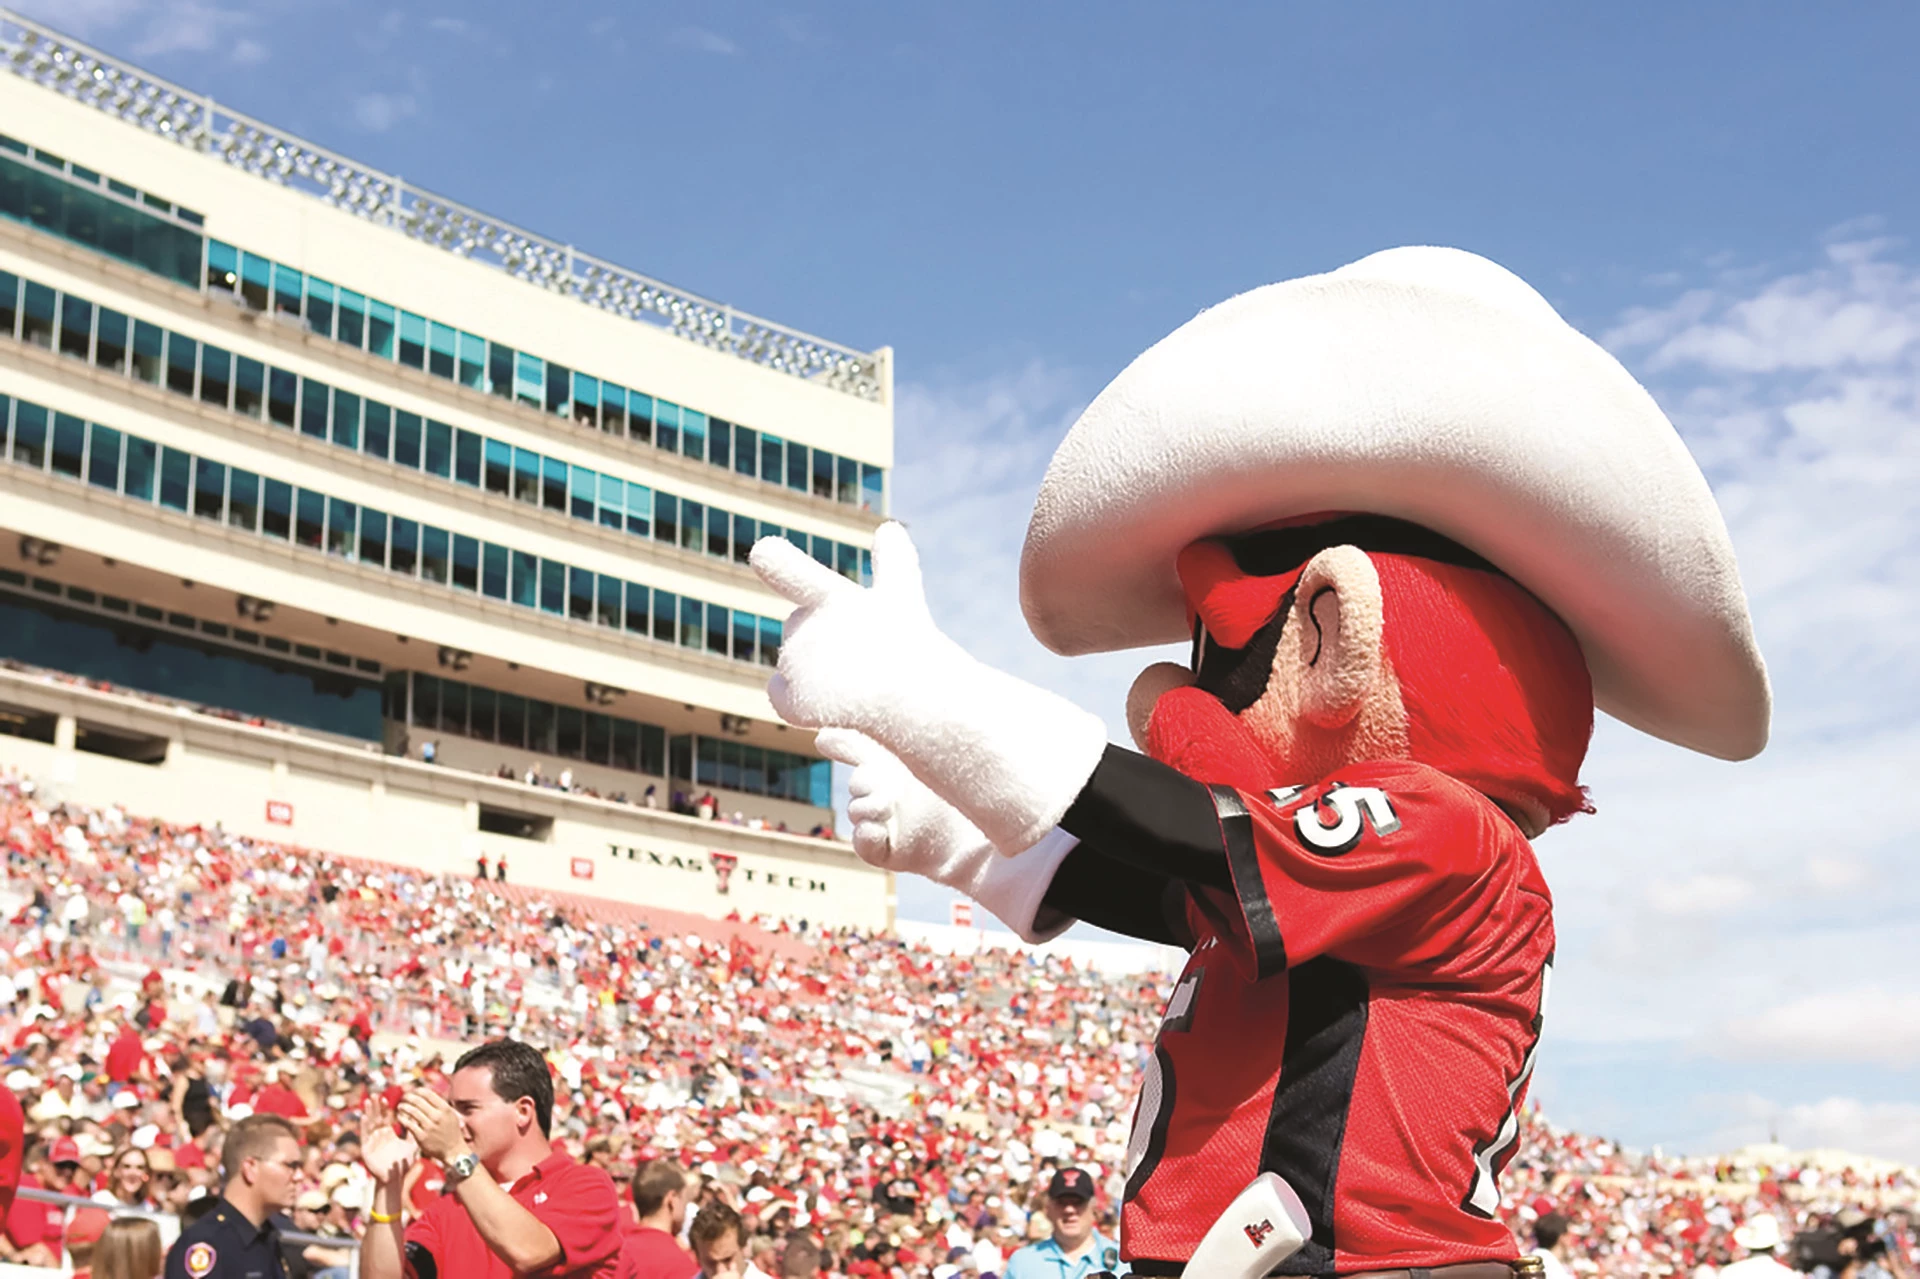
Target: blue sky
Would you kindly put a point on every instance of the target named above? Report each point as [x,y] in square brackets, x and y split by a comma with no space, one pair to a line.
[1019,198]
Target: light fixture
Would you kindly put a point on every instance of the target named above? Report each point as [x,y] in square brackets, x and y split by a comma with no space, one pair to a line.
[253,610]
[37,550]
[457,659]
[602,694]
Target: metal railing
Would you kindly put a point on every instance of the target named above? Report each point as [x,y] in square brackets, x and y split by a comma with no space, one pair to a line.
[169,1224]
[47,58]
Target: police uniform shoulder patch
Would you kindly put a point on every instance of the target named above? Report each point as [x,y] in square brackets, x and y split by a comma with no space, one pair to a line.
[200,1258]
[1110,1257]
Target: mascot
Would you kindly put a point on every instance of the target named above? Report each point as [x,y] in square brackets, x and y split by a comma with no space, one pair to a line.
[1415,527]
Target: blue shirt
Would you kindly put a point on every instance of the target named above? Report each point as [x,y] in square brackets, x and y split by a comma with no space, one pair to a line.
[1046,1260]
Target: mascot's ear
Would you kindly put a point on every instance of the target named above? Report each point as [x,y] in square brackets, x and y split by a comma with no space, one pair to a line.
[1335,636]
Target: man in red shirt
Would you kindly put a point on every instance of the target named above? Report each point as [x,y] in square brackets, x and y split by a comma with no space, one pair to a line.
[127,1056]
[660,1199]
[513,1205]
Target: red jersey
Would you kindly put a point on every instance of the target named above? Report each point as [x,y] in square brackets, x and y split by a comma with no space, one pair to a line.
[1391,928]
[650,1253]
[575,1201]
[13,1134]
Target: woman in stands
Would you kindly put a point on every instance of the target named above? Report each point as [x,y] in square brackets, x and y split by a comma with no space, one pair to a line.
[128,1249]
[129,1180]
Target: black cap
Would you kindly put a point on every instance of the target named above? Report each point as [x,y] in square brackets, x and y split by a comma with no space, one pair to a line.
[1070,1183]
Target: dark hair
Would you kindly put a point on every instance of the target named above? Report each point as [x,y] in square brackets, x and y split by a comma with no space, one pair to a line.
[714,1220]
[653,1181]
[517,1070]
[1548,1230]
[252,1138]
[801,1259]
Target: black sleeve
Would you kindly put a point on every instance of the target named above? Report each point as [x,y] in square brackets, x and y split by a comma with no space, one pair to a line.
[1151,817]
[1121,898]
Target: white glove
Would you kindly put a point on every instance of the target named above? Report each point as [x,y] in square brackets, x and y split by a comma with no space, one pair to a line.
[1011,757]
[900,825]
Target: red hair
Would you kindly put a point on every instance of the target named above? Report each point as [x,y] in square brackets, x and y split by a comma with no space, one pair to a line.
[1496,689]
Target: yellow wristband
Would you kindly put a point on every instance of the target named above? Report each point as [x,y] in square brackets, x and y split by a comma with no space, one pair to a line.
[382,1219]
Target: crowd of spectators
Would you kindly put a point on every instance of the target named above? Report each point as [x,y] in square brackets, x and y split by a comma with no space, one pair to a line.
[899,1110]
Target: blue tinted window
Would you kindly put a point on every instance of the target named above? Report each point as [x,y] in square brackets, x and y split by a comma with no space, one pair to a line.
[746,450]
[580,594]
[554,489]
[406,438]
[209,489]
[665,612]
[466,458]
[69,444]
[666,518]
[607,602]
[666,425]
[343,528]
[473,361]
[559,389]
[553,586]
[320,307]
[376,437]
[346,419]
[176,478]
[313,409]
[404,557]
[636,608]
[373,537]
[530,380]
[499,467]
[493,571]
[613,501]
[243,499]
[583,493]
[380,329]
[441,350]
[526,476]
[350,326]
[466,562]
[276,509]
[797,466]
[309,518]
[439,448]
[30,435]
[639,510]
[435,551]
[139,468]
[526,580]
[413,340]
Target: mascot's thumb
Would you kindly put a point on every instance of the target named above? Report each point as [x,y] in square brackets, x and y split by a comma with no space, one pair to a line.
[1191,731]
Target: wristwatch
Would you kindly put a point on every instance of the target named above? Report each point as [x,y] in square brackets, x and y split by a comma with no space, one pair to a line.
[461,1168]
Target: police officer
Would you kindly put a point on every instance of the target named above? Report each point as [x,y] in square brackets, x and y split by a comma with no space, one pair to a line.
[1076,1250]
[236,1239]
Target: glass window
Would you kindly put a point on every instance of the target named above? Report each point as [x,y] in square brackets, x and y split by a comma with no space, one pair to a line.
[320,306]
[707,761]
[719,442]
[346,419]
[473,361]
[822,550]
[466,562]
[746,628]
[343,528]
[559,389]
[480,714]
[109,340]
[404,555]
[500,370]
[413,340]
[554,490]
[209,489]
[406,438]
[216,376]
[283,390]
[639,510]
[376,430]
[666,518]
[149,347]
[526,476]
[636,616]
[730,765]
[433,553]
[653,750]
[139,468]
[380,328]
[719,524]
[530,380]
[103,457]
[350,326]
[493,571]
[9,304]
[666,425]
[439,448]
[373,536]
[183,353]
[606,609]
[693,525]
[847,481]
[598,748]
[613,409]
[746,450]
[553,587]
[846,560]
[586,400]
[540,726]
[626,745]
[873,495]
[309,518]
[256,275]
[466,458]
[769,642]
[580,594]
[583,491]
[512,716]
[453,707]
[313,408]
[742,538]
[797,467]
[29,434]
[243,499]
[223,265]
[498,472]
[69,444]
[693,433]
[526,580]
[613,501]
[442,355]
[665,612]
[718,625]
[37,316]
[176,478]
[426,701]
[287,284]
[276,510]
[249,386]
[692,623]
[76,327]
[773,458]
[753,770]
[639,417]
[823,474]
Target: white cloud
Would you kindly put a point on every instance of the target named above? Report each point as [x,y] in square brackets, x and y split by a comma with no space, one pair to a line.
[701,40]
[378,112]
[156,27]
[1700,894]
[1881,1129]
[247,52]
[1847,1024]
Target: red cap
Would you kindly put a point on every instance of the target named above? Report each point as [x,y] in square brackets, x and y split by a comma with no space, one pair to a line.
[65,1151]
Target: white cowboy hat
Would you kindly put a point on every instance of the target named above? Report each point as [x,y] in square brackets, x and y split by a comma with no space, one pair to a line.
[1433,386]
[1759,1233]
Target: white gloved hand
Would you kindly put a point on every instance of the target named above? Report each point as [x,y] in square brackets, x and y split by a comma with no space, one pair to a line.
[900,825]
[1011,757]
